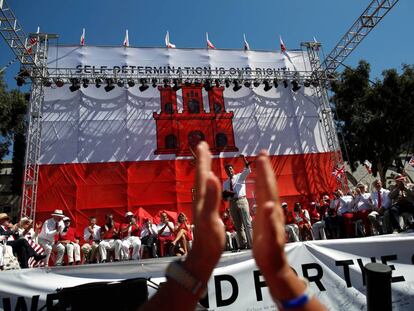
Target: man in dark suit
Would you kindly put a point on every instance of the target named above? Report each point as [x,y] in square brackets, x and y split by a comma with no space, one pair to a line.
[21,247]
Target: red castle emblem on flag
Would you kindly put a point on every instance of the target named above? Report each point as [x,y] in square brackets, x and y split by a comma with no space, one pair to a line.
[179,132]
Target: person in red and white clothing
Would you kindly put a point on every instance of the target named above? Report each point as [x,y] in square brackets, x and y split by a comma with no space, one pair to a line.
[69,242]
[362,206]
[92,237]
[110,239]
[381,203]
[291,228]
[230,232]
[50,233]
[165,233]
[318,225]
[302,219]
[149,236]
[131,237]
[344,213]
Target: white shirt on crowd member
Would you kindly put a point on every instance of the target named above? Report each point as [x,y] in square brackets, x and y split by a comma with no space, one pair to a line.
[239,183]
[167,231]
[146,231]
[344,204]
[362,202]
[49,229]
[385,199]
[96,233]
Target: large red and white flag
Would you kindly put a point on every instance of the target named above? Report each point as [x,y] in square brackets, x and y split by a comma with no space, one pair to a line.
[338,172]
[282,45]
[126,39]
[411,162]
[209,44]
[246,44]
[168,44]
[82,38]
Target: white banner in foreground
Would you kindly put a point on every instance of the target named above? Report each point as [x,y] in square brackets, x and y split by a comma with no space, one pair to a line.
[333,267]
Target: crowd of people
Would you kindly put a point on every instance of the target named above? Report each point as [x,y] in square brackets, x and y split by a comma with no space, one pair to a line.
[357,213]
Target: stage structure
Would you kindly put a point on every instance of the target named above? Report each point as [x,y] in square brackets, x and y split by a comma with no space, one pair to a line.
[93,148]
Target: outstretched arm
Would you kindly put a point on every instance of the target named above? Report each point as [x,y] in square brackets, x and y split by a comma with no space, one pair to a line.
[207,249]
[269,240]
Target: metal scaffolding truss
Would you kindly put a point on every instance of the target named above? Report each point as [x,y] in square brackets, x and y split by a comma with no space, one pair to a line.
[373,14]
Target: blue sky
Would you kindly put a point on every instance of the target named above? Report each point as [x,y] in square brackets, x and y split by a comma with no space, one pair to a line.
[389,45]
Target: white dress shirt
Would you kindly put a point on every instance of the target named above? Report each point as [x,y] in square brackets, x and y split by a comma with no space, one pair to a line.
[167,231]
[145,231]
[385,199]
[49,230]
[239,183]
[344,205]
[96,233]
[362,202]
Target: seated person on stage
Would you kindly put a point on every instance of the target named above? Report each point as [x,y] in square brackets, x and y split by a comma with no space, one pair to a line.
[92,237]
[21,248]
[402,202]
[110,239]
[187,279]
[165,233]
[362,206]
[130,233]
[291,229]
[69,242]
[327,210]
[50,233]
[25,229]
[302,219]
[149,235]
[183,235]
[381,204]
[231,234]
[318,225]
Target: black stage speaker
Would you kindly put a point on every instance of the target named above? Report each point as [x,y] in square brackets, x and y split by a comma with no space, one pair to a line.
[124,295]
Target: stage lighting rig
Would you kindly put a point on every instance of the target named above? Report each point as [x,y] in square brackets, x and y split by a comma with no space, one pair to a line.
[275,83]
[85,82]
[295,86]
[120,83]
[98,82]
[177,84]
[267,85]
[21,77]
[166,83]
[237,85]
[109,85]
[197,82]
[47,83]
[75,84]
[256,83]
[59,82]
[154,82]
[307,83]
[207,84]
[144,85]
[187,82]
[131,83]
[285,83]
[247,83]
[227,83]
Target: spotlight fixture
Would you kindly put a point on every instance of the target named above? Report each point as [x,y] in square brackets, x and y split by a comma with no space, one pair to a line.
[59,82]
[85,82]
[267,85]
[315,83]
[75,84]
[247,83]
[109,85]
[177,84]
[154,82]
[217,82]
[307,83]
[166,83]
[237,85]
[120,83]
[275,83]
[197,82]
[144,86]
[207,85]
[285,83]
[47,83]
[256,83]
[21,77]
[131,83]
[98,82]
[227,83]
[295,86]
[187,82]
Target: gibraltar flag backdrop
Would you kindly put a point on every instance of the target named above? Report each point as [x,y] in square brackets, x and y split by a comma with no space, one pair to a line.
[130,150]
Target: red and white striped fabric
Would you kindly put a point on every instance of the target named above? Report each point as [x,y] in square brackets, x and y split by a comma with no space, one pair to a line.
[103,151]
[209,44]
[126,39]
[39,250]
[82,38]
[282,45]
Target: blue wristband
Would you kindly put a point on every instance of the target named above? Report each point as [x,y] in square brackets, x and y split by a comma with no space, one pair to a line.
[298,301]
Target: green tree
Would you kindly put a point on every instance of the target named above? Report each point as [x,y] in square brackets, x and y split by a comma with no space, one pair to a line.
[375,119]
[13,106]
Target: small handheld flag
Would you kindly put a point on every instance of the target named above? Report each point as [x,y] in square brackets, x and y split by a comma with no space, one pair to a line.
[126,39]
[246,44]
[82,38]
[338,172]
[209,44]
[282,45]
[168,44]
